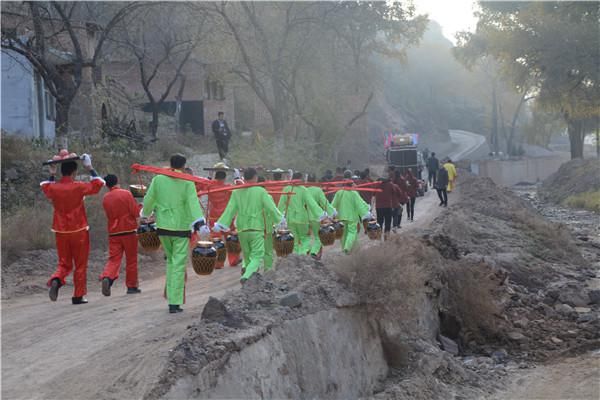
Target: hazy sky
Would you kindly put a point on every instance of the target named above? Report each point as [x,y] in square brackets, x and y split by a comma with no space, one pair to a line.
[453,15]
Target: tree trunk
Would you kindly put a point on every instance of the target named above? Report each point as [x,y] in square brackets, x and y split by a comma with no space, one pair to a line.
[154,123]
[494,133]
[61,126]
[576,135]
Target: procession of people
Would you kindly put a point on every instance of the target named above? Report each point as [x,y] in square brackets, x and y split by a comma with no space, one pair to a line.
[182,211]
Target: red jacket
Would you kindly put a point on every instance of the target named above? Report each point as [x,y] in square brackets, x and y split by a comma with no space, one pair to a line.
[389,196]
[402,196]
[217,202]
[411,190]
[366,196]
[67,198]
[121,210]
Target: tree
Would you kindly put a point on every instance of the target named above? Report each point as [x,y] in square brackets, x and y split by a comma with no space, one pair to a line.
[161,40]
[55,38]
[552,46]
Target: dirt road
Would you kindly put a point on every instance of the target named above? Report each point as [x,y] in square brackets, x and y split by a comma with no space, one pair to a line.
[575,378]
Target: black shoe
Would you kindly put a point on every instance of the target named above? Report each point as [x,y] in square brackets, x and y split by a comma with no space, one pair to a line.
[441,203]
[54,286]
[175,308]
[79,300]
[106,284]
[133,290]
[445,204]
[243,280]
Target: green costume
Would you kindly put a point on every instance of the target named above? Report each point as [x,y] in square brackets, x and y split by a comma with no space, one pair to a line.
[251,207]
[351,210]
[319,197]
[301,208]
[176,208]
[270,221]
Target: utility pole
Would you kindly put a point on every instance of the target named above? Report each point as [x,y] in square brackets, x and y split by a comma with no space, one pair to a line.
[598,136]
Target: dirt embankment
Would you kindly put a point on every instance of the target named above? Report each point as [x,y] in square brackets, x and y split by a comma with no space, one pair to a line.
[576,183]
[491,288]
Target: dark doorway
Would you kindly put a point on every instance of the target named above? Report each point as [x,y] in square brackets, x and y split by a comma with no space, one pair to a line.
[190,117]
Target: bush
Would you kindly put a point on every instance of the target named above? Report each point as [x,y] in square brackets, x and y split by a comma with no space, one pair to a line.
[587,200]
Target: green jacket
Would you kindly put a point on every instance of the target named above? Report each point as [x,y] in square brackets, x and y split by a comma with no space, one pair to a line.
[302,206]
[317,194]
[174,202]
[350,206]
[250,207]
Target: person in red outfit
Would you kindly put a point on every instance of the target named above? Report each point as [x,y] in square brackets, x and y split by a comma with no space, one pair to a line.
[217,202]
[70,225]
[122,212]
[400,199]
[411,191]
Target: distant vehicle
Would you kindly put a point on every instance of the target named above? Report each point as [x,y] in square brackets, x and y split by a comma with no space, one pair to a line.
[403,154]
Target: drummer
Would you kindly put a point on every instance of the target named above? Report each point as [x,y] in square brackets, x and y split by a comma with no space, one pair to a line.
[251,207]
[268,259]
[316,248]
[70,225]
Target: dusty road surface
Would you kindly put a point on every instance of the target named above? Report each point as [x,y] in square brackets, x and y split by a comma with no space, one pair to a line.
[575,378]
[113,347]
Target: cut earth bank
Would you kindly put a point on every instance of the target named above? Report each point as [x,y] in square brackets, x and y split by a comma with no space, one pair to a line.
[490,289]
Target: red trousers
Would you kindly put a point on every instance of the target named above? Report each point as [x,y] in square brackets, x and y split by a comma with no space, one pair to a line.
[73,249]
[117,245]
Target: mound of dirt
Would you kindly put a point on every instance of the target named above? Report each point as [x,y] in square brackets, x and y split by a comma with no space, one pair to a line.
[572,178]
[545,307]
[493,224]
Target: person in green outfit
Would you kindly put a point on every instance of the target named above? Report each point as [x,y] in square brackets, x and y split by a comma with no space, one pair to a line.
[177,212]
[299,209]
[271,221]
[319,197]
[351,210]
[251,207]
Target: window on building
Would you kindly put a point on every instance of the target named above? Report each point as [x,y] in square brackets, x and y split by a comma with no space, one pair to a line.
[50,105]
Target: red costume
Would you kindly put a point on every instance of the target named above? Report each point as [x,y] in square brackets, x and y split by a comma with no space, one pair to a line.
[412,184]
[71,228]
[217,202]
[121,211]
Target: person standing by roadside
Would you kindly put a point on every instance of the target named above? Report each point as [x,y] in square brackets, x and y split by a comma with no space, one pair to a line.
[122,212]
[222,135]
[452,174]
[70,225]
[441,186]
[433,164]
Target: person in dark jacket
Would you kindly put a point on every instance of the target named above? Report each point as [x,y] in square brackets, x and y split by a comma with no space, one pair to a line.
[433,164]
[442,185]
[222,134]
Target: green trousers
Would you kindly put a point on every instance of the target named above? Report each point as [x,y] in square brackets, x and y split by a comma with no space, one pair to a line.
[176,249]
[268,259]
[301,238]
[253,250]
[316,241]
[350,235]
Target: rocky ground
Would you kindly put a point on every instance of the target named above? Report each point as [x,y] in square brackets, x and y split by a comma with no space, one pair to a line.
[493,288]
[573,177]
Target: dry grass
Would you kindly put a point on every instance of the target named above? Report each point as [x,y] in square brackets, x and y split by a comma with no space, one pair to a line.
[587,200]
[474,298]
[28,228]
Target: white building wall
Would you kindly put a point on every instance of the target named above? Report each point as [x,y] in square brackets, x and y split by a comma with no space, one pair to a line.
[20,112]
